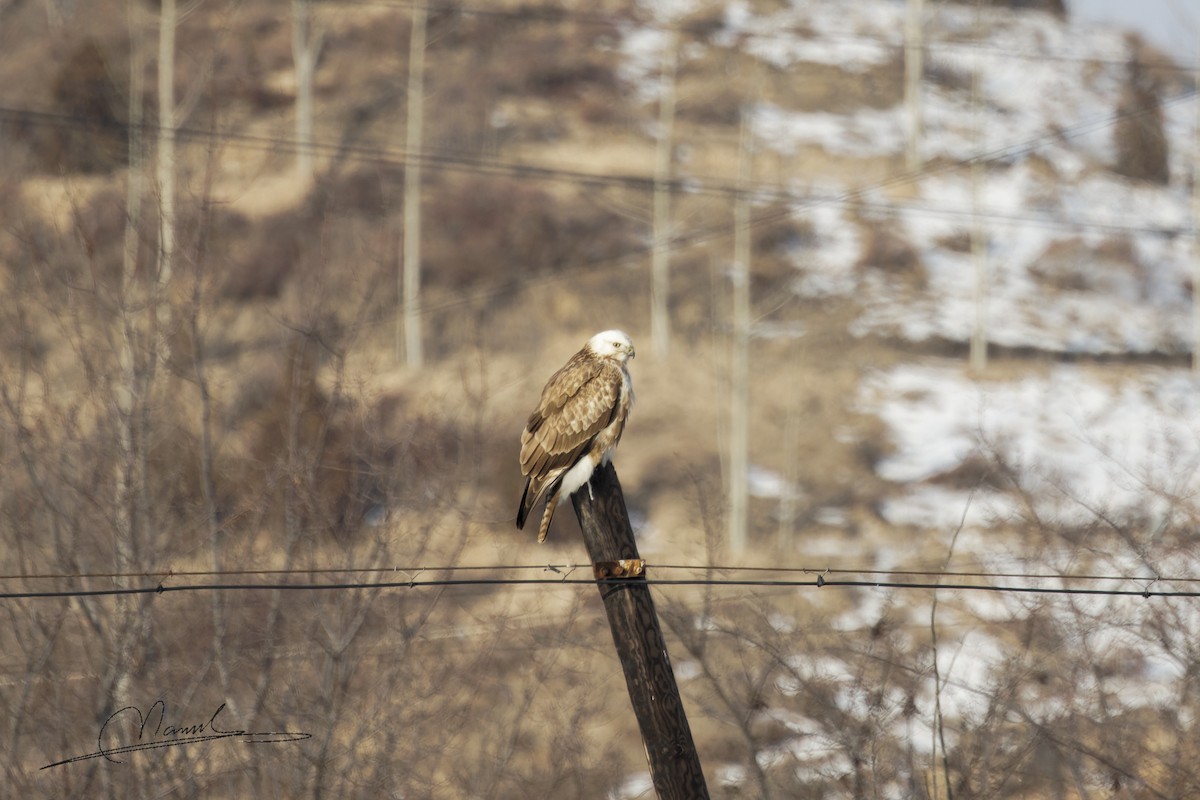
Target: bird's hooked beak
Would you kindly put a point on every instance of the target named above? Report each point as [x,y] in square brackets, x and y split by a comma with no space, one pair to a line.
[632,352]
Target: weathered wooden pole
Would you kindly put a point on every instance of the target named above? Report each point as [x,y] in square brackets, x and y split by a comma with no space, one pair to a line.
[674,763]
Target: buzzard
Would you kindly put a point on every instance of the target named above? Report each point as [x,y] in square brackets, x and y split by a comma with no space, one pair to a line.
[576,425]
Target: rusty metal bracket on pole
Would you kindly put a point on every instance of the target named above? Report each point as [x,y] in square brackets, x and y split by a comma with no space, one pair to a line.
[621,568]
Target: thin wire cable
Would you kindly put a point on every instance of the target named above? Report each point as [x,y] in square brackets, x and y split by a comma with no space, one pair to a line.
[818,583]
[689,185]
[163,574]
[200,573]
[702,235]
[794,201]
[1065,576]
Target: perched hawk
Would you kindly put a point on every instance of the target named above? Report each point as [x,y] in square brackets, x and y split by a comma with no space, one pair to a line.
[576,425]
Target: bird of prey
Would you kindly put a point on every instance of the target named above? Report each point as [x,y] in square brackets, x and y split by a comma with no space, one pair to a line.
[576,425]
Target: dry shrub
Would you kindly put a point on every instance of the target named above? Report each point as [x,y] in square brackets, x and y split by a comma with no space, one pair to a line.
[774,244]
[99,224]
[480,228]
[87,133]
[974,471]
[247,55]
[957,242]
[763,8]
[552,61]
[173,468]
[369,193]
[703,22]
[1141,143]
[277,247]
[308,448]
[423,455]
[1056,7]
[946,73]
[82,250]
[831,88]
[889,251]
[265,256]
[1074,265]
[599,109]
[782,232]
[337,460]
[709,102]
[873,444]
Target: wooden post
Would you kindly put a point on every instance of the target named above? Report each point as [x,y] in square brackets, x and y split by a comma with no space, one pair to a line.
[674,763]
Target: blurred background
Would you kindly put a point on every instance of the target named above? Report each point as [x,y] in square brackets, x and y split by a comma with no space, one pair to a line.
[912,286]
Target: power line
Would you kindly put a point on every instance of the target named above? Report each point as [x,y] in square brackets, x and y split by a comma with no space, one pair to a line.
[1063,576]
[799,202]
[855,198]
[701,235]
[199,573]
[705,186]
[819,583]
[565,568]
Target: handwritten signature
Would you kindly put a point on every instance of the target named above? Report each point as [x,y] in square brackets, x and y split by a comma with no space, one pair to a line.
[164,735]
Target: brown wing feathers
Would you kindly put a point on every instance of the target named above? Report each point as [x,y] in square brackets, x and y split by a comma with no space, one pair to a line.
[560,430]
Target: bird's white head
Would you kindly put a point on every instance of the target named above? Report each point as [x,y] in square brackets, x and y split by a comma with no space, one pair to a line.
[612,344]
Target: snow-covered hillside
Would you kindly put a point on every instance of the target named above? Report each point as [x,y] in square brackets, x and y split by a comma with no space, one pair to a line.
[1081,446]
[1079,259]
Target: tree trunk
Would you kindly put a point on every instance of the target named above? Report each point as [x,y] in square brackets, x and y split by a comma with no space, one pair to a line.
[166,145]
[913,67]
[979,336]
[306,46]
[411,258]
[739,407]
[660,277]
[1196,217]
